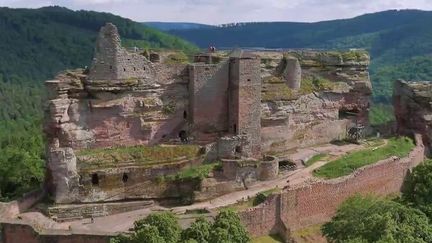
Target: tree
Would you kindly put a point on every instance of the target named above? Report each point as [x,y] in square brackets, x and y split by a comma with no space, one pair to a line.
[228,228]
[166,224]
[145,234]
[198,231]
[368,219]
[417,191]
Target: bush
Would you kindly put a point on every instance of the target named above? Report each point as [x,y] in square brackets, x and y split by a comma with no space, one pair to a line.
[164,228]
[259,198]
[199,231]
[368,219]
[166,223]
[228,228]
[417,191]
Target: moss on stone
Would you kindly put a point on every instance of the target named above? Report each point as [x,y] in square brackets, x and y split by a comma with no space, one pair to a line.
[315,84]
[169,108]
[195,172]
[138,155]
[276,89]
[177,58]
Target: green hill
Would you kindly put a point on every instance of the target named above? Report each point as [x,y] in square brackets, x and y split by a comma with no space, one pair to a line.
[35,44]
[395,40]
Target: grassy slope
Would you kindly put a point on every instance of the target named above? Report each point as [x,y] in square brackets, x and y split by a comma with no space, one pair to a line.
[347,164]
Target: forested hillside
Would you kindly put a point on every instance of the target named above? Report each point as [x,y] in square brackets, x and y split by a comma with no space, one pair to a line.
[35,44]
[397,41]
[165,26]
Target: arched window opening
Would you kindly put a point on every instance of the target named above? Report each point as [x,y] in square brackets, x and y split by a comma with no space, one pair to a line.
[184,115]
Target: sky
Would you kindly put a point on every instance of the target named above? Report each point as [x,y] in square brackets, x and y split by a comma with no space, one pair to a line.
[229,11]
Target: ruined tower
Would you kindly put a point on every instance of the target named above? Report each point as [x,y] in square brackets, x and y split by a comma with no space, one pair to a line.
[292,72]
[245,101]
[113,62]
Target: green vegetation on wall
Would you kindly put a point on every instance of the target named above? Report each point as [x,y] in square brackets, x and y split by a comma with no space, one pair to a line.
[347,164]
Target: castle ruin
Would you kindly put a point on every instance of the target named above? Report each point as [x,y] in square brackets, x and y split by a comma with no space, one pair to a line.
[245,106]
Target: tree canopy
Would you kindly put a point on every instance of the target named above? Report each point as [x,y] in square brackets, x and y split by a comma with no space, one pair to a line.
[164,228]
[368,219]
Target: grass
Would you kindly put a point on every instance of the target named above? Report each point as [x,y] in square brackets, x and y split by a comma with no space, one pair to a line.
[315,159]
[140,154]
[307,234]
[314,84]
[347,164]
[177,58]
[253,201]
[268,239]
[196,172]
[276,89]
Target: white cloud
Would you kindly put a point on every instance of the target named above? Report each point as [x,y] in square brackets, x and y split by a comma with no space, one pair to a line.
[225,11]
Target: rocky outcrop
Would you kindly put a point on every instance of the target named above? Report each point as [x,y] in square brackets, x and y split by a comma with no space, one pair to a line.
[333,95]
[413,108]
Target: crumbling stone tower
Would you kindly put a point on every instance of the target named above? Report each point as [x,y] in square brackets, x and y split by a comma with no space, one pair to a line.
[292,72]
[245,101]
[112,61]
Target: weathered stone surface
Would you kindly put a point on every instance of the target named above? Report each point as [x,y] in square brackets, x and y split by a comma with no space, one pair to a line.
[333,84]
[413,108]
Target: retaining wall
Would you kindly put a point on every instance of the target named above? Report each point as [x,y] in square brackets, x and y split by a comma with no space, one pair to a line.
[317,202]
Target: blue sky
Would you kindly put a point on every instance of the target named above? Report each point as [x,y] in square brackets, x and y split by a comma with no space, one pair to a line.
[228,11]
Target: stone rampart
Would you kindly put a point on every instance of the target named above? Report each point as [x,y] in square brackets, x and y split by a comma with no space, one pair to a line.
[18,232]
[317,202]
[13,208]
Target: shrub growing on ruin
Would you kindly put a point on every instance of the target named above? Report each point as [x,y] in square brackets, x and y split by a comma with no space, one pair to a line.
[368,219]
[259,198]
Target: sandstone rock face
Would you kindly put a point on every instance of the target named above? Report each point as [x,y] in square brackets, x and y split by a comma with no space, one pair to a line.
[102,124]
[413,108]
[332,96]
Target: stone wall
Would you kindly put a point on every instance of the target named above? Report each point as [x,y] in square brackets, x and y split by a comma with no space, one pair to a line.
[17,232]
[113,62]
[61,213]
[245,102]
[13,208]
[317,202]
[208,86]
